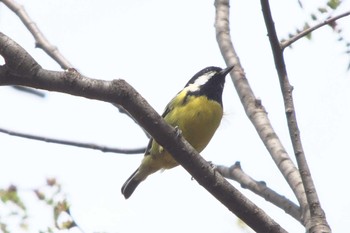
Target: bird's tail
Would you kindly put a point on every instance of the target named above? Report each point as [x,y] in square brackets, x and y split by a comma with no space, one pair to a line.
[131,184]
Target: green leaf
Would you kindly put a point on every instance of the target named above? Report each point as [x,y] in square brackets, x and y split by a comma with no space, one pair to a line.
[333,4]
[313,17]
[11,195]
[67,225]
[3,228]
[307,26]
[40,195]
[322,10]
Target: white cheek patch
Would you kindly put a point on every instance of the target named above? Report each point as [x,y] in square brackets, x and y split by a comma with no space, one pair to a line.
[200,81]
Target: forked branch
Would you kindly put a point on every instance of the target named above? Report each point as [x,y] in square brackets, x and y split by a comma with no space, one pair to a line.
[260,188]
[317,222]
[40,39]
[22,69]
[253,107]
[300,35]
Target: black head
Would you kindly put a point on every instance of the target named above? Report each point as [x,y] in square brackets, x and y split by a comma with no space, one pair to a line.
[208,82]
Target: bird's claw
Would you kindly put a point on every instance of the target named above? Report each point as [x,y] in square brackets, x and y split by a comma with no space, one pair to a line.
[178,131]
[212,165]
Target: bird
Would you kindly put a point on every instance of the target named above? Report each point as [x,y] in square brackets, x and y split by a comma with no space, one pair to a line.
[196,111]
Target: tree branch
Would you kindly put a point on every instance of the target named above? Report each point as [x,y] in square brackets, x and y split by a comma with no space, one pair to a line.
[22,69]
[41,42]
[40,39]
[253,107]
[318,222]
[290,41]
[76,144]
[260,188]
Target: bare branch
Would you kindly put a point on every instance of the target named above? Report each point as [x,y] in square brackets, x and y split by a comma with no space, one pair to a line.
[72,143]
[40,39]
[318,219]
[287,43]
[22,69]
[260,188]
[42,42]
[253,107]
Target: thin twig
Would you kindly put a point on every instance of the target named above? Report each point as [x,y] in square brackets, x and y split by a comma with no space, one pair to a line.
[290,41]
[253,107]
[42,42]
[76,144]
[260,188]
[318,222]
[40,39]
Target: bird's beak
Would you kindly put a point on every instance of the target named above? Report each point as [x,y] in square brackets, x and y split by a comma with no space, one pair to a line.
[225,71]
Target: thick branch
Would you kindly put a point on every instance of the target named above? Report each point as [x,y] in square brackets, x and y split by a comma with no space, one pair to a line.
[318,219]
[21,69]
[253,107]
[260,188]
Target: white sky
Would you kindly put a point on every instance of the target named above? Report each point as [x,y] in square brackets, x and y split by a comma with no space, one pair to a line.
[157,47]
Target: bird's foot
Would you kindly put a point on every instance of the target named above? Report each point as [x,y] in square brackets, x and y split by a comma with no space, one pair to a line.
[212,165]
[178,131]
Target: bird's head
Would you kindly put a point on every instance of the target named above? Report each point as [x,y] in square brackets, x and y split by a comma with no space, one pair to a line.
[208,82]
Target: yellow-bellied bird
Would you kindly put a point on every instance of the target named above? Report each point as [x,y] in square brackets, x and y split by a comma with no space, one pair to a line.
[197,111]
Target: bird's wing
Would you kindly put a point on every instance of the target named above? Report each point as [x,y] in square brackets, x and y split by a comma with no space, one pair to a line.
[148,149]
[168,109]
[178,100]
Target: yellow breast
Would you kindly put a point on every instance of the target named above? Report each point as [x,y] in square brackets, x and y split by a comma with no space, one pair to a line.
[197,118]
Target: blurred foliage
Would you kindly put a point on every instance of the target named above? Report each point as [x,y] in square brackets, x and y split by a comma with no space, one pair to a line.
[12,209]
[325,11]
[322,12]
[15,214]
[334,4]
